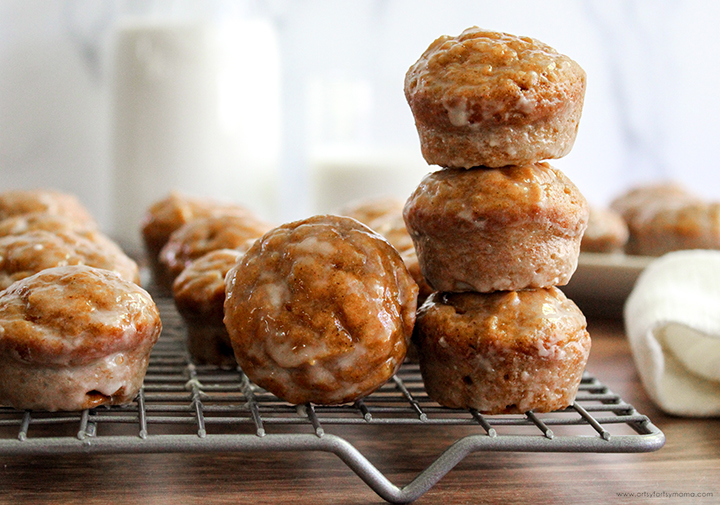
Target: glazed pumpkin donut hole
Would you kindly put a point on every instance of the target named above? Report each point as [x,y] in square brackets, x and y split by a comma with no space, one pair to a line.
[492,99]
[501,229]
[504,352]
[320,310]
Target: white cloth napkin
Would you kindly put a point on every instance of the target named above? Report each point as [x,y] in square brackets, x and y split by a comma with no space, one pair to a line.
[672,320]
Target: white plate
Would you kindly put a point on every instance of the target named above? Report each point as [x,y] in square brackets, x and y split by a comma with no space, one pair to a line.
[605,278]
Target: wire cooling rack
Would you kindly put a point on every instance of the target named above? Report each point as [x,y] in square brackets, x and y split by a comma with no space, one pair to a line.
[188,408]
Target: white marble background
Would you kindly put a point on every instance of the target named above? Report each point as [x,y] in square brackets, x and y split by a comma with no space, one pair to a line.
[650,110]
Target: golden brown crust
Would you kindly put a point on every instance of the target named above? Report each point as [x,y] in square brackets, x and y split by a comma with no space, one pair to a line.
[496,229]
[492,99]
[167,215]
[320,310]
[200,289]
[32,201]
[199,294]
[74,337]
[503,352]
[384,216]
[373,210]
[28,253]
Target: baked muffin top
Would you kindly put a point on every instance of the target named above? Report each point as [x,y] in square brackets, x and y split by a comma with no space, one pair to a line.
[71,315]
[384,216]
[24,223]
[203,235]
[199,290]
[484,77]
[606,231]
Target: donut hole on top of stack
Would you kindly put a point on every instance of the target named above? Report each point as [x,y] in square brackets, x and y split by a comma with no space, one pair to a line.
[492,99]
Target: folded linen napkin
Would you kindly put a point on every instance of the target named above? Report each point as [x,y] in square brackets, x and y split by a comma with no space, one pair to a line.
[672,320]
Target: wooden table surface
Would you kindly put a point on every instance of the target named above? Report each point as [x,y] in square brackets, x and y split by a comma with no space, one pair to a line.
[685,470]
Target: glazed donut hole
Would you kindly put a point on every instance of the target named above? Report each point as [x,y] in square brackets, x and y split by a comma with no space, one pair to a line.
[502,352]
[74,337]
[320,310]
[502,229]
[493,99]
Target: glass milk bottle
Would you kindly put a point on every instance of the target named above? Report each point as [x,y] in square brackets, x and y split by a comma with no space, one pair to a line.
[196,110]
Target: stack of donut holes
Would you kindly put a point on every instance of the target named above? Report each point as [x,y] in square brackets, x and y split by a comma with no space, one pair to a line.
[76,329]
[497,228]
